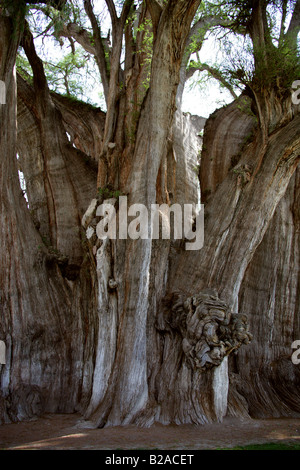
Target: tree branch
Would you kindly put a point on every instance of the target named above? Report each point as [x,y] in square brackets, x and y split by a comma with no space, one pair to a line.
[205,23]
[294,26]
[113,14]
[117,22]
[215,73]
[295,20]
[200,28]
[57,4]
[125,11]
[155,10]
[39,77]
[115,71]
[283,18]
[81,35]
[99,48]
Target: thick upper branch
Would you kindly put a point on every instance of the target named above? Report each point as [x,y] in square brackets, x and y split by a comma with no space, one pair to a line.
[198,31]
[294,26]
[155,10]
[82,36]
[100,52]
[39,77]
[112,11]
[215,73]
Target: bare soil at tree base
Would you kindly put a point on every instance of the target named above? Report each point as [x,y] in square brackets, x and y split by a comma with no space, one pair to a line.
[71,432]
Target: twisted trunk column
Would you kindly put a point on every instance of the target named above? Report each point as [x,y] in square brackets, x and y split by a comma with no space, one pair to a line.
[237,216]
[45,320]
[125,395]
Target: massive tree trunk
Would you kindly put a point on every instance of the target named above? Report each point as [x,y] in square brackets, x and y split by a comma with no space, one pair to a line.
[265,387]
[269,293]
[140,330]
[47,306]
[124,391]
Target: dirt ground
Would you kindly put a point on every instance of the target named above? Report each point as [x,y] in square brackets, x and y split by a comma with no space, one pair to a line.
[70,432]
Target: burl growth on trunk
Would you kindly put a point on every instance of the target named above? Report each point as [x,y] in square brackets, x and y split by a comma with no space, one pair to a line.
[209,330]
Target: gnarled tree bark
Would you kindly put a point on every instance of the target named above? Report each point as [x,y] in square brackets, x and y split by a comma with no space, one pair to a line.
[137,331]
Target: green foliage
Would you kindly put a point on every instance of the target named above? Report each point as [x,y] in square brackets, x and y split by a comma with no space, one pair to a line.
[69,69]
[64,75]
[108,193]
[280,69]
[146,50]
[238,59]
[262,67]
[196,169]
[17,11]
[37,15]
[245,59]
[238,63]
[23,67]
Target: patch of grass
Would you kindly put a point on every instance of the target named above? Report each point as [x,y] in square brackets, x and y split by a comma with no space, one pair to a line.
[267,446]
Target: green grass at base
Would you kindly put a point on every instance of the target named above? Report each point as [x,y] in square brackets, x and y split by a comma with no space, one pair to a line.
[267,446]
